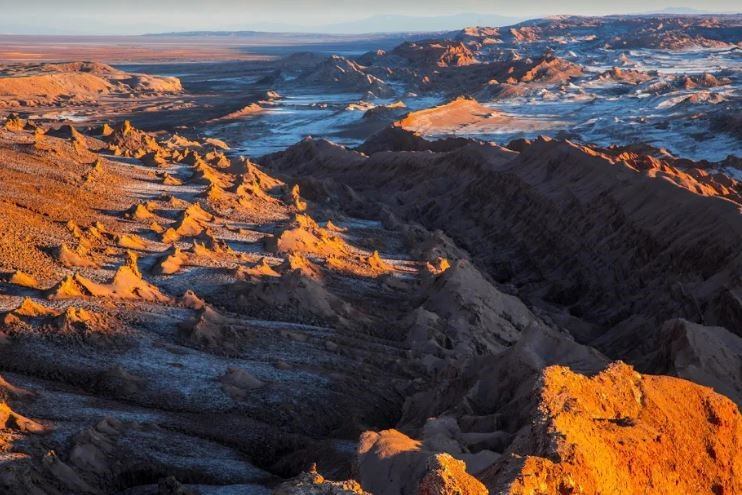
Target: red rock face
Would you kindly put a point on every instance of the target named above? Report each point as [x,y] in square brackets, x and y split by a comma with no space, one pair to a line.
[621,432]
[435,54]
[446,475]
[340,73]
[551,69]
[615,432]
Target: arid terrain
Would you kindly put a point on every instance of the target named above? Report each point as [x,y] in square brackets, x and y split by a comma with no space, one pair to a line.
[496,260]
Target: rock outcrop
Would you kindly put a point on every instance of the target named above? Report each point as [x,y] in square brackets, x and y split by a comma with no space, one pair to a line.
[621,432]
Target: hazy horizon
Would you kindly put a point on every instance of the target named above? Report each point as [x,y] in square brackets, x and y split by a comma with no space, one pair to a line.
[86,17]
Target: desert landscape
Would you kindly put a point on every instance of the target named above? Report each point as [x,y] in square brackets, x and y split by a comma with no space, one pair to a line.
[501,259]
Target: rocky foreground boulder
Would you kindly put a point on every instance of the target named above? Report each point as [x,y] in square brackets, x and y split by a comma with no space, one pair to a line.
[313,483]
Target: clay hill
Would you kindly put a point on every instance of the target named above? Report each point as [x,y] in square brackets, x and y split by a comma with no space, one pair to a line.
[334,73]
[52,83]
[462,116]
[429,54]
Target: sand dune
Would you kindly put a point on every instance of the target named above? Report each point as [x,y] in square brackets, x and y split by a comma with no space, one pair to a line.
[466,116]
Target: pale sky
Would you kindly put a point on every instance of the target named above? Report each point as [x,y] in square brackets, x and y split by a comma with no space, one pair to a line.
[147,16]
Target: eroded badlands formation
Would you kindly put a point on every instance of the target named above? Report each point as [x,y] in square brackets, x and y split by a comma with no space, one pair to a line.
[670,81]
[408,316]
[173,312]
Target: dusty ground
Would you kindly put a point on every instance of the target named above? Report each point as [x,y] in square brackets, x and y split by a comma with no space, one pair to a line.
[138,294]
[246,46]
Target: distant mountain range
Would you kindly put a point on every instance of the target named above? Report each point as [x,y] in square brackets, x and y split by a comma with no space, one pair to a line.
[384,24]
[381,25]
[683,11]
[403,23]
